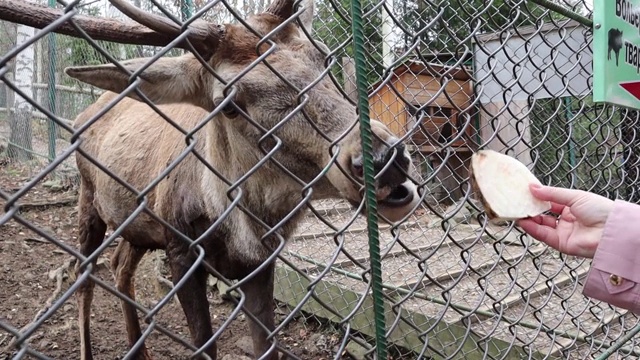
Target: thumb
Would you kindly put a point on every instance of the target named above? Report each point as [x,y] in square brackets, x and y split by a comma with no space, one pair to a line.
[557,195]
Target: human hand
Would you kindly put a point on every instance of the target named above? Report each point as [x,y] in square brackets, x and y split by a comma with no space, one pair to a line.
[578,229]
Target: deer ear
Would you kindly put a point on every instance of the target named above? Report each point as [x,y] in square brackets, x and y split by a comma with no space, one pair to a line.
[167,80]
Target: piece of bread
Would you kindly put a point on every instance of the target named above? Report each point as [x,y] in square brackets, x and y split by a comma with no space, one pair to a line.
[501,183]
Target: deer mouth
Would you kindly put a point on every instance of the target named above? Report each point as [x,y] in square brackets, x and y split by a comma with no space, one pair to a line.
[390,198]
[399,196]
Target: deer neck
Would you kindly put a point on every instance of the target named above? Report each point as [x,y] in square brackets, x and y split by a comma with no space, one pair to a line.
[267,192]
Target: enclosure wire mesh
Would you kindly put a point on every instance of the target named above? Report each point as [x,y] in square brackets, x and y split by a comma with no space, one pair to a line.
[448,78]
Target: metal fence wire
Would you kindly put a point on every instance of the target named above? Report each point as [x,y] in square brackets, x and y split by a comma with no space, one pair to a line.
[226,171]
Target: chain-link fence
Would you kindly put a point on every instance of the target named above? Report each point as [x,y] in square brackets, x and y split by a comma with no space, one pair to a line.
[27,136]
[32,144]
[255,141]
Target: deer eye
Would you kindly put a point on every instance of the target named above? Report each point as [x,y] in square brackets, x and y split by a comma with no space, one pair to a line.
[231,109]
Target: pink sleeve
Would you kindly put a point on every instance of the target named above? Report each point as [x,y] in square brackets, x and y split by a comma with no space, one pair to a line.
[614,276]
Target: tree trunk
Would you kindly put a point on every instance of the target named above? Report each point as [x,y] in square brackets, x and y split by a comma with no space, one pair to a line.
[349,75]
[20,140]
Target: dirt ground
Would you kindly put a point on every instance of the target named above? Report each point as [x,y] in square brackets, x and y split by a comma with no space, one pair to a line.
[28,283]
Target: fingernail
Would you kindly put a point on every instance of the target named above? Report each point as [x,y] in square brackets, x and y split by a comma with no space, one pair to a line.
[536,186]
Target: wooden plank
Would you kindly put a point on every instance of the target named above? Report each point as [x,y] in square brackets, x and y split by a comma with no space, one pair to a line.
[331,211]
[454,274]
[388,111]
[563,343]
[422,97]
[538,290]
[349,74]
[430,69]
[397,106]
[395,253]
[86,91]
[426,82]
[443,338]
[428,149]
[381,109]
[422,90]
[374,104]
[38,115]
[357,230]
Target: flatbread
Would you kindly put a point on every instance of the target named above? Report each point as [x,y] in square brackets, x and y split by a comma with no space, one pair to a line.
[502,184]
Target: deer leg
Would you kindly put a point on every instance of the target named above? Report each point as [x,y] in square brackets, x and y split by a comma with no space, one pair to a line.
[124,262]
[91,230]
[259,301]
[192,294]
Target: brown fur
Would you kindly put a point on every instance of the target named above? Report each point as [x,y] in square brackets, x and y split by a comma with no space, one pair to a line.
[136,145]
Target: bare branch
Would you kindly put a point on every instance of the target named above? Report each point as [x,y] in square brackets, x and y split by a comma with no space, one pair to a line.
[203,35]
[150,30]
[38,16]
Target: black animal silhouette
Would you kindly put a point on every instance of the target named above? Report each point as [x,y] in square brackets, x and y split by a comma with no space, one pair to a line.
[614,43]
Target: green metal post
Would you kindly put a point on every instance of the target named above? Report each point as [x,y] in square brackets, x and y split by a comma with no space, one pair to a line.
[619,343]
[565,12]
[366,137]
[52,128]
[186,7]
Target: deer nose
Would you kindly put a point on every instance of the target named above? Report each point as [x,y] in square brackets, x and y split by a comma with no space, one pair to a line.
[400,195]
[392,167]
[393,164]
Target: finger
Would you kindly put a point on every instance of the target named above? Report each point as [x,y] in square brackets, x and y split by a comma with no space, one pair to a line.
[540,232]
[543,220]
[557,195]
[567,215]
[548,220]
[557,208]
[537,219]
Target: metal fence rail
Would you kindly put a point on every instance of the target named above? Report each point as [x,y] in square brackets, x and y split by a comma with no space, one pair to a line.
[447,78]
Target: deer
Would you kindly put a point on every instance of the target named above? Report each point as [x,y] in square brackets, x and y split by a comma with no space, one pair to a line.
[257,130]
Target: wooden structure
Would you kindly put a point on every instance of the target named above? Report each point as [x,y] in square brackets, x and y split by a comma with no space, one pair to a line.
[441,99]
[415,87]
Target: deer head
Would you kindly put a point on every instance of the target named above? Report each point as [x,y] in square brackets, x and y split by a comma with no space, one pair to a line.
[267,76]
